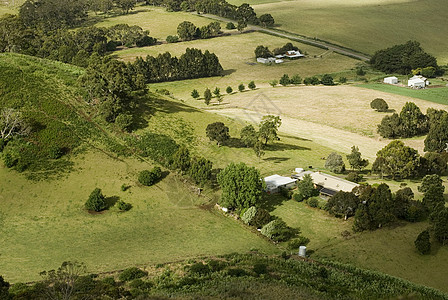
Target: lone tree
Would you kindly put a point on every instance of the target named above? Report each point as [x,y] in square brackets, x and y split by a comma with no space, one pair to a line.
[96,201]
[422,243]
[229,90]
[149,178]
[268,128]
[207,96]
[335,163]
[355,160]
[379,104]
[195,94]
[285,80]
[241,87]
[249,136]
[186,30]
[305,188]
[217,132]
[266,20]
[252,85]
[241,186]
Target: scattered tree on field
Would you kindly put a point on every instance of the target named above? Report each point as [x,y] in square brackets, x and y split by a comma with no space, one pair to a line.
[241,186]
[217,132]
[327,80]
[390,126]
[200,170]
[437,138]
[258,149]
[413,121]
[266,20]
[241,87]
[96,201]
[262,51]
[252,85]
[305,188]
[172,39]
[268,128]
[186,30]
[229,90]
[379,104]
[335,163]
[241,25]
[398,160]
[249,136]
[422,243]
[217,92]
[434,163]
[311,80]
[195,94]
[207,96]
[296,79]
[355,160]
[230,26]
[278,231]
[149,178]
[432,189]
[273,83]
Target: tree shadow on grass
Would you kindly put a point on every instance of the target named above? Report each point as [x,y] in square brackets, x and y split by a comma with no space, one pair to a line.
[284,147]
[271,201]
[234,143]
[110,201]
[276,160]
[295,137]
[228,72]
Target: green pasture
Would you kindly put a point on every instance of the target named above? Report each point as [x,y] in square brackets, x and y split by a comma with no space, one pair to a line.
[366,26]
[236,54]
[436,95]
[157,20]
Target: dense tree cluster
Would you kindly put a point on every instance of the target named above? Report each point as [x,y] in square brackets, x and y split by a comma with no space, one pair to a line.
[241,185]
[410,122]
[150,177]
[403,58]
[398,160]
[188,31]
[437,138]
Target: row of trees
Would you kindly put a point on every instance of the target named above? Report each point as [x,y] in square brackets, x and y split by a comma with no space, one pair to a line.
[188,31]
[217,92]
[263,51]
[296,79]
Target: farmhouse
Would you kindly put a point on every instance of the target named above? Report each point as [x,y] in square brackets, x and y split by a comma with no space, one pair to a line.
[274,182]
[293,54]
[418,82]
[391,80]
[327,185]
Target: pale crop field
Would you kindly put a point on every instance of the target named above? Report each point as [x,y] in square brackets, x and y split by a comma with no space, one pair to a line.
[366,26]
[236,55]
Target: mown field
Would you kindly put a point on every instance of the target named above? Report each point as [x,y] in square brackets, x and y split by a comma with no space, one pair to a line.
[366,26]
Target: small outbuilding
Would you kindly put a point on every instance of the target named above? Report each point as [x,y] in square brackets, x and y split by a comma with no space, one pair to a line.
[275,182]
[418,82]
[391,80]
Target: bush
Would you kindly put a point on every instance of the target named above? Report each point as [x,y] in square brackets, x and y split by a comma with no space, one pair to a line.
[262,217]
[131,274]
[249,215]
[251,85]
[327,80]
[172,39]
[298,196]
[96,201]
[296,79]
[199,269]
[123,206]
[260,268]
[241,87]
[342,79]
[422,243]
[140,284]
[416,212]
[236,272]
[9,160]
[379,105]
[278,231]
[285,192]
[297,242]
[354,177]
[360,71]
[311,80]
[230,26]
[312,202]
[124,122]
[149,178]
[216,265]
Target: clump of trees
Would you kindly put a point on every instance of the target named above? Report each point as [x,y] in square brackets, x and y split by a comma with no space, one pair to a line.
[150,177]
[263,51]
[217,132]
[403,58]
[187,31]
[379,104]
[241,186]
[397,160]
[314,80]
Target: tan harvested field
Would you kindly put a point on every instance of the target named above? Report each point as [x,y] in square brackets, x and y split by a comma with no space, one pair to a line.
[337,117]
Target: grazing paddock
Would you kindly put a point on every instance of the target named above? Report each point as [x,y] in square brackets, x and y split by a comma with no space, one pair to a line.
[236,54]
[366,26]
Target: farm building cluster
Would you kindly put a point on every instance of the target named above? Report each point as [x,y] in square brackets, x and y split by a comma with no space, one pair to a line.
[415,82]
[326,184]
[278,59]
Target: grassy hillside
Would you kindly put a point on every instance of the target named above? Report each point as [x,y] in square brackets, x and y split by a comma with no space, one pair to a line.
[366,26]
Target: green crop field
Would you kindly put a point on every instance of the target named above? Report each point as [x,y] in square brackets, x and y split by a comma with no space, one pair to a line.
[366,26]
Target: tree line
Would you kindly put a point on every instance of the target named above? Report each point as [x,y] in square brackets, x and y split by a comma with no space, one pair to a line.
[187,31]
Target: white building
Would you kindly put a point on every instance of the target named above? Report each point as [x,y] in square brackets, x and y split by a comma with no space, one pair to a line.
[391,80]
[418,82]
[266,60]
[327,185]
[293,54]
[274,182]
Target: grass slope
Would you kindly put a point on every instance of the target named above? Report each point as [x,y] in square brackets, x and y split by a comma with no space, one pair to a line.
[366,26]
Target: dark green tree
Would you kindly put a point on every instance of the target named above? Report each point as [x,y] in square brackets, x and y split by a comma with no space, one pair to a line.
[284,80]
[413,121]
[125,5]
[252,85]
[437,138]
[390,126]
[355,160]
[432,189]
[402,201]
[296,79]
[262,51]
[381,206]
[343,204]
[149,178]
[311,80]
[266,20]
[258,149]
[229,90]
[186,30]
[398,160]
[217,92]
[273,83]
[195,94]
[440,224]
[379,104]
[434,163]
[241,186]
[217,132]
[305,187]
[327,79]
[230,26]
[241,87]
[422,243]
[200,170]
[181,159]
[96,201]
[249,136]
[207,96]
[268,128]
[241,25]
[335,163]
[63,283]
[4,289]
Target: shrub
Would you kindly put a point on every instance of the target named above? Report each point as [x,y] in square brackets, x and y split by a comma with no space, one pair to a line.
[360,71]
[342,79]
[124,187]
[229,90]
[313,202]
[195,94]
[172,39]
[131,274]
[416,212]
[230,26]
[252,85]
[262,217]
[422,243]
[277,230]
[284,80]
[9,160]
[327,80]
[216,265]
[354,177]
[249,215]
[96,201]
[285,192]
[241,87]
[140,284]
[296,79]
[297,242]
[260,268]
[379,105]
[311,80]
[200,269]
[298,196]
[124,122]
[236,272]
[123,206]
[149,178]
